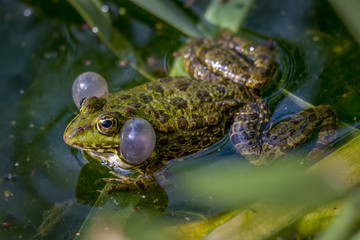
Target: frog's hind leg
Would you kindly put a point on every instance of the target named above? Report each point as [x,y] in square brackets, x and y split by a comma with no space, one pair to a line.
[328,126]
[290,133]
[296,129]
[245,132]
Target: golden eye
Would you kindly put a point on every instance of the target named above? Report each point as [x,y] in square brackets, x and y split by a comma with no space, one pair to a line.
[107,124]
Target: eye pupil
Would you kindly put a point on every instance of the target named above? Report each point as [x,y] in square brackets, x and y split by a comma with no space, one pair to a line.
[106,123]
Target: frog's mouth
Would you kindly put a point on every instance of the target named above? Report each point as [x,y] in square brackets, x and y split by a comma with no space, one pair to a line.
[95,148]
[83,138]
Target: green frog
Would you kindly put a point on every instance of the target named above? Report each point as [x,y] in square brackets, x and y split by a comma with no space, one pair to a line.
[189,113]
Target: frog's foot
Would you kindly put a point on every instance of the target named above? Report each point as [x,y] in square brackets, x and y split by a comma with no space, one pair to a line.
[123,183]
[327,130]
[284,136]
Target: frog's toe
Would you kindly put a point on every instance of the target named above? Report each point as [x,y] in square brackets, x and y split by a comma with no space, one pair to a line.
[122,183]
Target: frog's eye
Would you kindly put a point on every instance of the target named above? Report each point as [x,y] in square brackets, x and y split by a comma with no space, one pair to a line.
[137,141]
[107,124]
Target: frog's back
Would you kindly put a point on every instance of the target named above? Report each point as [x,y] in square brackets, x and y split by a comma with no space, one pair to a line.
[187,114]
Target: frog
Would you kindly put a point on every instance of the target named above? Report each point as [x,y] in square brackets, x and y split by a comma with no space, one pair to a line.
[219,96]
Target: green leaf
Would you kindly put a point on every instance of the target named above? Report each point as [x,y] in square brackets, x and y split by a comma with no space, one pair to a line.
[170,13]
[228,14]
[90,10]
[348,11]
[101,24]
[342,225]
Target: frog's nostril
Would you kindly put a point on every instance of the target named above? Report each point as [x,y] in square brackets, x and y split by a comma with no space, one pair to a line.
[67,138]
[69,134]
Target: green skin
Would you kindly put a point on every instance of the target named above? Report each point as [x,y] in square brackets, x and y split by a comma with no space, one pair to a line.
[189,113]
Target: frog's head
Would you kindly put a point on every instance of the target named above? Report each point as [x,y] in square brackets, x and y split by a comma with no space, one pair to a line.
[95,129]
[99,130]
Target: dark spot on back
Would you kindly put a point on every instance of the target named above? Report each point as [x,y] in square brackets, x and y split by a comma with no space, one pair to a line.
[195,141]
[163,141]
[124,97]
[116,107]
[204,96]
[198,120]
[174,148]
[212,119]
[206,142]
[145,98]
[178,103]
[181,140]
[155,88]
[166,80]
[221,90]
[161,116]
[312,117]
[182,85]
[128,110]
[182,123]
[135,105]
[218,133]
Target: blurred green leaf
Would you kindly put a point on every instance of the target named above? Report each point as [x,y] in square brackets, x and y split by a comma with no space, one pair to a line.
[242,185]
[356,236]
[170,13]
[177,68]
[342,225]
[227,14]
[315,221]
[348,11]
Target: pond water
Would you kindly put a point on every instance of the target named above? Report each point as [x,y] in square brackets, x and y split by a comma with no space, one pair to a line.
[49,189]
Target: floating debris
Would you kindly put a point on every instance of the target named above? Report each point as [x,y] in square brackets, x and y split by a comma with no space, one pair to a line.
[53,216]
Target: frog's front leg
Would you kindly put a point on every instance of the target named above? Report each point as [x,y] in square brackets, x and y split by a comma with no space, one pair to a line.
[261,146]
[123,183]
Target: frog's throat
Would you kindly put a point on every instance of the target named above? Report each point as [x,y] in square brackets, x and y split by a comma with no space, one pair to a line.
[112,158]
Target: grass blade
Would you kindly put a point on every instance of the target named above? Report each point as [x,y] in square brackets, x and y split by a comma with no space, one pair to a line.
[228,14]
[90,11]
[348,11]
[170,13]
[342,225]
